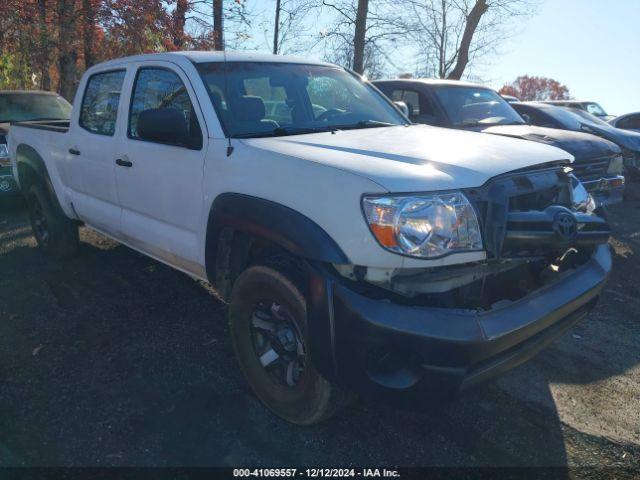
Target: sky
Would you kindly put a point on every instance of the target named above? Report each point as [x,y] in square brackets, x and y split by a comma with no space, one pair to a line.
[591,46]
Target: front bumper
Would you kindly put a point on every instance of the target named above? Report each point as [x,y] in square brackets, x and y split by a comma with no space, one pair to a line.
[385,348]
[606,191]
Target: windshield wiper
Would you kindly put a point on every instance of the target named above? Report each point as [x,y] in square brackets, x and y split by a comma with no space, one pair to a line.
[286,131]
[282,132]
[490,124]
[364,124]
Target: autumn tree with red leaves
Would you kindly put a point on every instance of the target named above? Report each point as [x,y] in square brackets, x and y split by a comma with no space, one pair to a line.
[528,88]
[47,44]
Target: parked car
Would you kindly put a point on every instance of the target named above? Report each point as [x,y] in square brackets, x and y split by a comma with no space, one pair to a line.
[357,251]
[593,108]
[510,98]
[16,106]
[630,121]
[545,115]
[461,105]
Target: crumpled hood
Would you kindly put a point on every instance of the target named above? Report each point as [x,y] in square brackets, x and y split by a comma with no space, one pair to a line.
[582,146]
[415,158]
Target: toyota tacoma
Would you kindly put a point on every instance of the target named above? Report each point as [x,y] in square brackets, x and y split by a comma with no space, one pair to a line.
[357,251]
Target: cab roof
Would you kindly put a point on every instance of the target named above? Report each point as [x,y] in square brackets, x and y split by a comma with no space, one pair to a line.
[213,56]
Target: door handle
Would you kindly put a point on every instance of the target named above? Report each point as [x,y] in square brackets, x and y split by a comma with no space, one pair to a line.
[74,151]
[124,163]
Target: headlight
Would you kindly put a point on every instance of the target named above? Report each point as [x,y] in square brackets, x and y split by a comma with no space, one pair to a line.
[615,166]
[424,226]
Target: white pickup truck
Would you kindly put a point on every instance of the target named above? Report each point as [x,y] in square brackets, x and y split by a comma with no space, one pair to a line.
[357,251]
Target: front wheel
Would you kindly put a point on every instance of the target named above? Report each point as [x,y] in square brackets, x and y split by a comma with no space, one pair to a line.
[268,322]
[56,234]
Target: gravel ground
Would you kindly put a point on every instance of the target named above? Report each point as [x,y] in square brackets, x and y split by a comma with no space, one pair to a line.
[113,359]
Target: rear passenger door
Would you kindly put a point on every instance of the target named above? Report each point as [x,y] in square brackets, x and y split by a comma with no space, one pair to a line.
[160,185]
[88,164]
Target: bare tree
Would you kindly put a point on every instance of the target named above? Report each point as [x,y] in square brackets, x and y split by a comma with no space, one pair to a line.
[276,27]
[359,35]
[43,45]
[68,55]
[218,25]
[363,34]
[289,24]
[451,34]
[178,23]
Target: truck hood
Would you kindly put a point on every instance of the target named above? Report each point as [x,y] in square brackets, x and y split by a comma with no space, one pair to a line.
[415,158]
[582,146]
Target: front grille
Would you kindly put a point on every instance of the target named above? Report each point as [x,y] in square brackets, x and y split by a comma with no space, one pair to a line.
[591,170]
[517,212]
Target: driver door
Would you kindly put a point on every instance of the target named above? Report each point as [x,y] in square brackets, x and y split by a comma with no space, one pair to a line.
[160,184]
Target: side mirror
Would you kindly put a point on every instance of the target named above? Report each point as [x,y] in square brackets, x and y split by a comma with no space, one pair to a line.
[163,125]
[403,108]
[526,118]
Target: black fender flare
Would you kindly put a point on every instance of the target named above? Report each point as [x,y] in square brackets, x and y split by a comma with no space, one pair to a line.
[29,157]
[282,225]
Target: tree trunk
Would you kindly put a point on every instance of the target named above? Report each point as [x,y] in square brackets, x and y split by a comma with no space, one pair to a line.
[473,19]
[179,21]
[43,45]
[218,27]
[67,54]
[276,29]
[359,36]
[88,32]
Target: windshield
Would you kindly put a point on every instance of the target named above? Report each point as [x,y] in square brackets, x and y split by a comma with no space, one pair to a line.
[22,107]
[258,99]
[564,116]
[472,106]
[595,109]
[590,118]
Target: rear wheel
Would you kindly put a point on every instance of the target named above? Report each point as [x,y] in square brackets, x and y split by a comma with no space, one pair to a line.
[56,234]
[268,322]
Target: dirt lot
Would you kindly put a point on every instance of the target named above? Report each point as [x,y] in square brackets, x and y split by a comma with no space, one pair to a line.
[114,359]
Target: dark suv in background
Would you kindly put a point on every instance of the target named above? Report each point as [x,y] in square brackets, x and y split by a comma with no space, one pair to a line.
[19,106]
[466,106]
[537,113]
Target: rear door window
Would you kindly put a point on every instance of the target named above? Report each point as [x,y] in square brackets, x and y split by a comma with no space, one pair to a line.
[99,110]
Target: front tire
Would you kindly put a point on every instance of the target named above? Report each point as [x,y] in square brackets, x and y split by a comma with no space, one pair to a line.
[268,323]
[56,234]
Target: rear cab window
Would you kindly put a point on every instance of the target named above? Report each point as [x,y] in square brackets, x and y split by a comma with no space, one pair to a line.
[99,110]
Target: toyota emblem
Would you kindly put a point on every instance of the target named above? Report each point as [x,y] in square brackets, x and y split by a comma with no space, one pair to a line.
[565,226]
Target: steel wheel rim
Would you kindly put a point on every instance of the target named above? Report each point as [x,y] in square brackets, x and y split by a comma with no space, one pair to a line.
[40,226]
[277,343]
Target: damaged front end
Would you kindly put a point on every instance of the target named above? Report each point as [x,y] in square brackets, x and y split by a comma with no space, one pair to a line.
[532,235]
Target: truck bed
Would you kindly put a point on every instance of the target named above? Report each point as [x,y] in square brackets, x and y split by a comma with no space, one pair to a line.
[60,126]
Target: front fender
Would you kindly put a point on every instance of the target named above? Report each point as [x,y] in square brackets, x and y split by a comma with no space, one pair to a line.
[277,223]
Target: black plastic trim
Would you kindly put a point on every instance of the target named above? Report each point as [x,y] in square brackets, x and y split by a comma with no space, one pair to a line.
[278,223]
